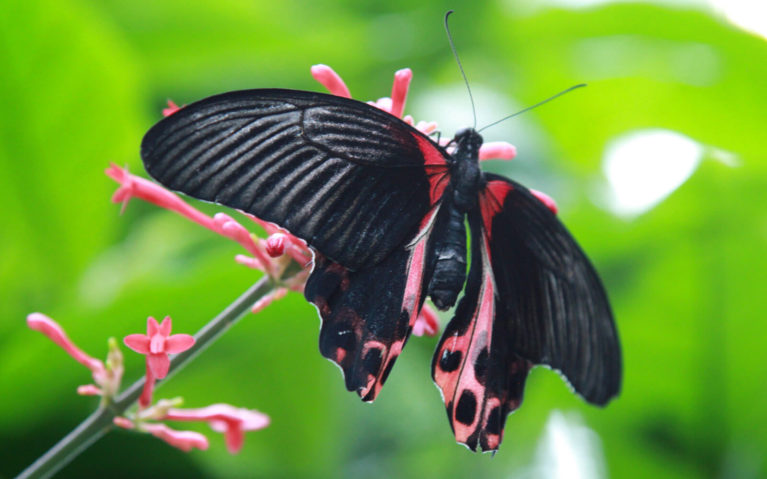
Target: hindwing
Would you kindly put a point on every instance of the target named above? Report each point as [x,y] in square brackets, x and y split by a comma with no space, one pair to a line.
[367,315]
[531,297]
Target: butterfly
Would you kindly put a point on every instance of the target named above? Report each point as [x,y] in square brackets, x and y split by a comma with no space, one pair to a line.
[385,208]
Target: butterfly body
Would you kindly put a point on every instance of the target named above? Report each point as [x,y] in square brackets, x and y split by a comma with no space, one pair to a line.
[385,210]
[449,252]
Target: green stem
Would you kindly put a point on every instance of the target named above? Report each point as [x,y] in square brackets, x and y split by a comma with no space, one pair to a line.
[100,422]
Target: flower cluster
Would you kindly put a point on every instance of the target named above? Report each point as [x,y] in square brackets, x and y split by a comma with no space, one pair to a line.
[157,344]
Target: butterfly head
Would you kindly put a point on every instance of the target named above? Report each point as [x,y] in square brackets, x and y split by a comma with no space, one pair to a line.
[467,143]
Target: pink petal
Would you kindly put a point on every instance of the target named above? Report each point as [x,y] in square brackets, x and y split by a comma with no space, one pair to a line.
[146,393]
[330,80]
[123,422]
[427,322]
[178,343]
[235,437]
[427,127]
[165,327]
[384,104]
[159,365]
[137,342]
[399,91]
[157,344]
[249,262]
[184,440]
[50,328]
[171,109]
[135,186]
[89,390]
[546,200]
[152,327]
[276,244]
[497,150]
[221,414]
[268,299]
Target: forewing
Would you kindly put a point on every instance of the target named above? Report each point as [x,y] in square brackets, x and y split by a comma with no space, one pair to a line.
[368,315]
[551,299]
[349,178]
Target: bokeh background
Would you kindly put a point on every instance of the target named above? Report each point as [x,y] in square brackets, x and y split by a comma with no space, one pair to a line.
[658,167]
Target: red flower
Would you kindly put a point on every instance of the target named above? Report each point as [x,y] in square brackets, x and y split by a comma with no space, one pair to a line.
[157,344]
[184,440]
[133,186]
[107,378]
[232,421]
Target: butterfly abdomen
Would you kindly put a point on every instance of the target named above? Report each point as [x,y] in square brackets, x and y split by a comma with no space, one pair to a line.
[448,255]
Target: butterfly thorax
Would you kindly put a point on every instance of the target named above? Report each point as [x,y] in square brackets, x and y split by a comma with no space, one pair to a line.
[466,177]
[448,251]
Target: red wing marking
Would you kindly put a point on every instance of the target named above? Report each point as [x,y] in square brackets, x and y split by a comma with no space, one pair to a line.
[475,366]
[367,315]
[463,388]
[411,305]
[436,168]
[491,202]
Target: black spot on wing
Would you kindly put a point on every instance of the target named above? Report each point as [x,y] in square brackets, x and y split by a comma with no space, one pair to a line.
[495,421]
[450,360]
[372,361]
[466,408]
[480,366]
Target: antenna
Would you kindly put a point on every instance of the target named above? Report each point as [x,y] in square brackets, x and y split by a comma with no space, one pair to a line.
[534,106]
[460,67]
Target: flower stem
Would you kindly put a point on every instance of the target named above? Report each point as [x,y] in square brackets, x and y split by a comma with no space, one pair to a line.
[100,421]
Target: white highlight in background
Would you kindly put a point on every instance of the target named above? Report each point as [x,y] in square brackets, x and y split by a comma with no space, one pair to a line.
[568,450]
[749,15]
[643,168]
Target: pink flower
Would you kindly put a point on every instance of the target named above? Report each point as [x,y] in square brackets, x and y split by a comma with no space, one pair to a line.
[497,150]
[396,106]
[133,186]
[171,109]
[107,378]
[157,344]
[262,303]
[276,244]
[232,421]
[546,200]
[427,322]
[330,80]
[50,328]
[184,440]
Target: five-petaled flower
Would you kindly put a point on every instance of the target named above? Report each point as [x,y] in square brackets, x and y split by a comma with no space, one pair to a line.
[157,344]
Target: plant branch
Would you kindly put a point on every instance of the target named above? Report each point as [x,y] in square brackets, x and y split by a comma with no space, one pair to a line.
[100,421]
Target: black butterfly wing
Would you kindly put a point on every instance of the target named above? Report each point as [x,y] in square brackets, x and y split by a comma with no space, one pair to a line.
[367,315]
[349,178]
[531,297]
[553,298]
[359,185]
[475,366]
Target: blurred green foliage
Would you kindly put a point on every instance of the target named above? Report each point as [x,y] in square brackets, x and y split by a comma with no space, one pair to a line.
[81,81]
